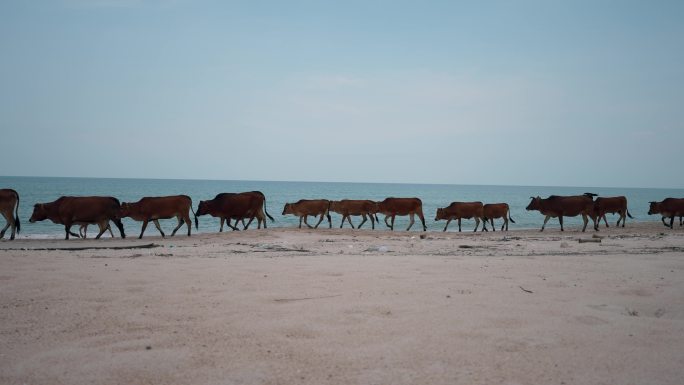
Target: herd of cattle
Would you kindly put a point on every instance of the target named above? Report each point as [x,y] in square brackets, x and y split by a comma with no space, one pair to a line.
[247,206]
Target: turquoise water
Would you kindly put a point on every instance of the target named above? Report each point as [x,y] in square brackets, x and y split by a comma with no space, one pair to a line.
[36,190]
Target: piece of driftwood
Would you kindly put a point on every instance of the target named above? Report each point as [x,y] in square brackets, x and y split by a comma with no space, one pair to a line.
[589,240]
[525,290]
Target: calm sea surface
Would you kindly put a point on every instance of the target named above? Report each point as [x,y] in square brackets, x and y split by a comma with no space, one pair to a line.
[38,190]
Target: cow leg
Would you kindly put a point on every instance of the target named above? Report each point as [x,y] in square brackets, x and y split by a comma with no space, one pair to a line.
[67,229]
[560,220]
[180,223]
[671,221]
[156,224]
[350,222]
[330,221]
[363,221]
[505,223]
[586,221]
[546,219]
[320,219]
[411,222]
[109,227]
[422,220]
[342,222]
[387,223]
[392,225]
[307,223]
[664,223]
[250,222]
[459,225]
[477,223]
[2,232]
[604,219]
[144,226]
[447,224]
[188,223]
[102,229]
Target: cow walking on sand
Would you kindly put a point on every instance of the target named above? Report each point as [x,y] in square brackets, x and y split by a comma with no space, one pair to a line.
[462,210]
[349,207]
[305,207]
[668,208]
[238,206]
[69,211]
[611,205]
[156,208]
[9,207]
[391,207]
[565,206]
[492,211]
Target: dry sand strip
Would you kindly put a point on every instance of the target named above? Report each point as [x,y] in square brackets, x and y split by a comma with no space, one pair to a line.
[289,306]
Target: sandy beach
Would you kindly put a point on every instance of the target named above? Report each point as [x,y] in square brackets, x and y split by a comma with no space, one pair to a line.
[290,306]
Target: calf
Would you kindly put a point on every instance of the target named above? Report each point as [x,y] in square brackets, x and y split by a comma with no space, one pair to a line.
[497,210]
[305,207]
[611,205]
[349,207]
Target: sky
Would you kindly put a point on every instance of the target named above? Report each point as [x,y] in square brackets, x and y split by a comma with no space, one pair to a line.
[557,93]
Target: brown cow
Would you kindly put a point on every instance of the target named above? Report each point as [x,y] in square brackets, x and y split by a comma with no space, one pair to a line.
[79,210]
[349,207]
[156,208]
[391,207]
[564,206]
[460,210]
[260,214]
[497,210]
[611,205]
[668,208]
[9,207]
[238,206]
[305,207]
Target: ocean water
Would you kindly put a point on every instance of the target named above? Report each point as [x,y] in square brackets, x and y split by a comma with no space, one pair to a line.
[34,190]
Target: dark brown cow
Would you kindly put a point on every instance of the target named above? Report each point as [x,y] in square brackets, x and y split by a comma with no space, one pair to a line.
[462,210]
[492,211]
[391,207]
[156,208]
[564,206]
[260,214]
[611,205]
[349,207]
[305,207]
[69,211]
[668,208]
[9,207]
[234,206]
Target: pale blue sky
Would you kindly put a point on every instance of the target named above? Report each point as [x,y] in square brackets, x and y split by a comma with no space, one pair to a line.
[576,93]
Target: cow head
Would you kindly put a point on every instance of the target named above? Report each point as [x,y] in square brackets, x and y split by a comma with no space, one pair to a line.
[440,215]
[202,208]
[535,204]
[287,209]
[653,208]
[124,210]
[39,213]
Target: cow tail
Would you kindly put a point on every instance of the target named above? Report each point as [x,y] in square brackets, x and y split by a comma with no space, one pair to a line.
[628,214]
[195,215]
[266,211]
[16,214]
[509,217]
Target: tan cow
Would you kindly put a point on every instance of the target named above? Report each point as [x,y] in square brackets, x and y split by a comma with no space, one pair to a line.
[462,210]
[492,211]
[611,205]
[305,207]
[391,207]
[156,208]
[564,206]
[9,207]
[349,207]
